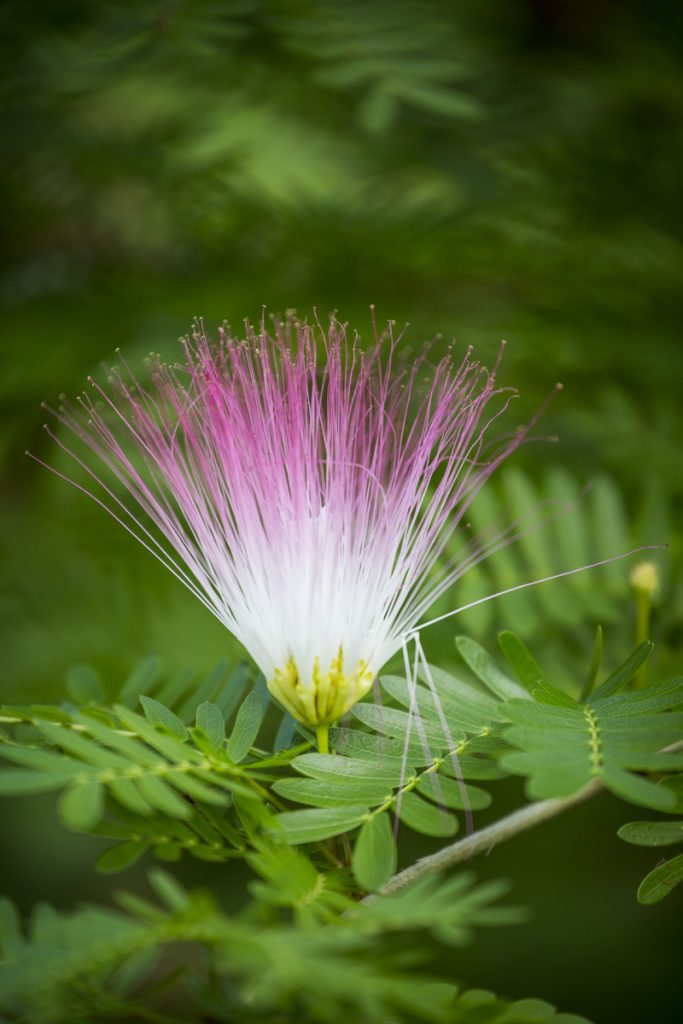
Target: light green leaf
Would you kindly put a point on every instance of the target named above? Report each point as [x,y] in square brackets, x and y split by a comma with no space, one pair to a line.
[170,892]
[83,684]
[81,806]
[158,714]
[210,720]
[141,680]
[335,767]
[374,853]
[311,825]
[247,725]
[328,793]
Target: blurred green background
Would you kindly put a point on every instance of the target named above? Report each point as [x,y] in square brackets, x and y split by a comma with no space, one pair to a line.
[508,169]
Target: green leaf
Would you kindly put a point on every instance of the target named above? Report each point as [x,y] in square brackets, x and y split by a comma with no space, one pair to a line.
[42,760]
[393,722]
[453,794]
[141,680]
[170,892]
[562,746]
[16,782]
[661,881]
[595,664]
[374,853]
[618,680]
[233,689]
[210,720]
[486,669]
[652,833]
[546,694]
[158,714]
[462,715]
[639,790]
[118,858]
[610,530]
[330,793]
[309,826]
[424,817]
[335,767]
[81,806]
[163,797]
[83,684]
[247,725]
[201,691]
[127,794]
[520,659]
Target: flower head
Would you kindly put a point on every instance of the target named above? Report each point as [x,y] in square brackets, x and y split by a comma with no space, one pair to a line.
[304,489]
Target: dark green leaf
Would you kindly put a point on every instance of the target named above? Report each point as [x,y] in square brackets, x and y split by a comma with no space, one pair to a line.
[520,659]
[425,817]
[652,833]
[118,858]
[661,881]
[623,675]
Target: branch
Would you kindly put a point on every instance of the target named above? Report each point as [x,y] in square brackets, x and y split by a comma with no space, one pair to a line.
[487,838]
[506,828]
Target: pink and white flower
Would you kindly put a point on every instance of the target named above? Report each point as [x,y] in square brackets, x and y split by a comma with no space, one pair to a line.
[303,489]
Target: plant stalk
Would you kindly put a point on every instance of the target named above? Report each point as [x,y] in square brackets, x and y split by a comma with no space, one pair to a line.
[322,733]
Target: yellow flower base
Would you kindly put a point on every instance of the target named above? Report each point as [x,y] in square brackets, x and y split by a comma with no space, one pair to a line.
[324,698]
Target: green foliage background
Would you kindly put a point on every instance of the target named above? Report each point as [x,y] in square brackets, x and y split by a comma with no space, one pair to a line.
[485,171]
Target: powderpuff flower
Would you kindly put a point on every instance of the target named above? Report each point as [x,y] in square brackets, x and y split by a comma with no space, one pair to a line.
[303,488]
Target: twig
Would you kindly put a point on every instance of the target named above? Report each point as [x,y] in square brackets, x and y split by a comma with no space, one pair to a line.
[506,828]
[487,838]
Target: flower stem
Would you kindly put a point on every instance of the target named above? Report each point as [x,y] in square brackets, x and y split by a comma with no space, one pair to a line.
[322,733]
